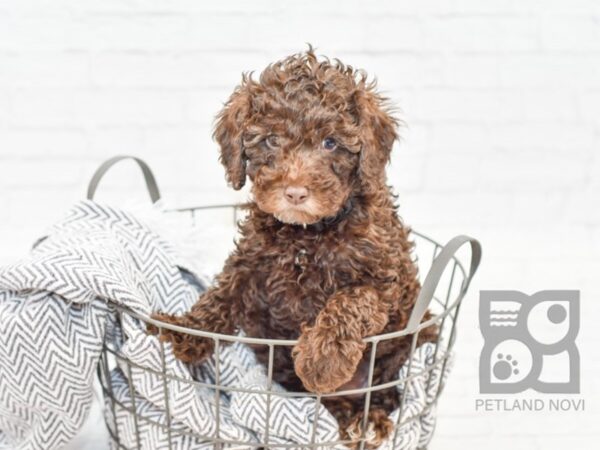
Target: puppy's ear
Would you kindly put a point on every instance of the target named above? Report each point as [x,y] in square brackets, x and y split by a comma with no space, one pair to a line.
[228,133]
[378,131]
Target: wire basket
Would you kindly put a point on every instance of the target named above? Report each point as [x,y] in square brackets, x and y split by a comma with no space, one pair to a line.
[443,288]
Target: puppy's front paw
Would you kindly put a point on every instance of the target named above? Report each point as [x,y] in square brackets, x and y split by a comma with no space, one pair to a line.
[379,428]
[324,360]
[186,347]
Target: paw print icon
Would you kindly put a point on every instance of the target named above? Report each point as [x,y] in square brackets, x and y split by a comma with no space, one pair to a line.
[505,367]
[529,342]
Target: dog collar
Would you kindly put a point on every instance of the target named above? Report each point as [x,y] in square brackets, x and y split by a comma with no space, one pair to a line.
[329,221]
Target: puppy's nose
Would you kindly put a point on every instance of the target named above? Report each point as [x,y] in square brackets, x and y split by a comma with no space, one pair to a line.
[296,194]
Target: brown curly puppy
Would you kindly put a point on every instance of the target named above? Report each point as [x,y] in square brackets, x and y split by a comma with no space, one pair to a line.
[323,256]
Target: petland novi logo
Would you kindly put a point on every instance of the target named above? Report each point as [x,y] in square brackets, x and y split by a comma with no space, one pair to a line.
[529,344]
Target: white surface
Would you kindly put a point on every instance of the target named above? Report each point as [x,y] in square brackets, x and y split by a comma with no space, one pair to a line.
[501,101]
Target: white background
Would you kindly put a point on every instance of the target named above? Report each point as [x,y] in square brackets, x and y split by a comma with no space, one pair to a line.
[501,101]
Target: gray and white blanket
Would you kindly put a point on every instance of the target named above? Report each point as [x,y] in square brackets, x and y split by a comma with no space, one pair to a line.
[57,309]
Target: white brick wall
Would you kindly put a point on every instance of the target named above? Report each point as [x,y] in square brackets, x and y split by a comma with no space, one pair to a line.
[501,101]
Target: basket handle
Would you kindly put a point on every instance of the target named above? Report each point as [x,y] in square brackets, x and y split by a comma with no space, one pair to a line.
[435,273]
[106,165]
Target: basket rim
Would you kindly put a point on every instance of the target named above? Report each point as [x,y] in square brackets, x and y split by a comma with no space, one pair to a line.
[283,342]
[291,342]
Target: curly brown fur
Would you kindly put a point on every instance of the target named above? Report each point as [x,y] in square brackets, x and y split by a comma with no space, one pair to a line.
[328,262]
[378,429]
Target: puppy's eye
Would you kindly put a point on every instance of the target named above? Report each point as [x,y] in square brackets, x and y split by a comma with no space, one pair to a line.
[329,144]
[272,141]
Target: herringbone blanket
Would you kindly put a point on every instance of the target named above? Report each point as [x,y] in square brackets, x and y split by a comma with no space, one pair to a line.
[57,309]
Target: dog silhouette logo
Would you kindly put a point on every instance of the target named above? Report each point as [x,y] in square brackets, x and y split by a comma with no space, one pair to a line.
[529,342]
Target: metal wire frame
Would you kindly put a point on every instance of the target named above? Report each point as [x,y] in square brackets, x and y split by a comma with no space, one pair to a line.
[445,308]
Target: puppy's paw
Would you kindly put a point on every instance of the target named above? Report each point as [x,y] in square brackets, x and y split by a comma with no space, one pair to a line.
[324,361]
[379,428]
[187,348]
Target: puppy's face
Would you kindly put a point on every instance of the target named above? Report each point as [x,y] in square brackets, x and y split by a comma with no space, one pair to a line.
[309,134]
[302,156]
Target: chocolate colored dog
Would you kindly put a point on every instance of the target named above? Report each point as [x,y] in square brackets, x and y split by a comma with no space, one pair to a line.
[323,256]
